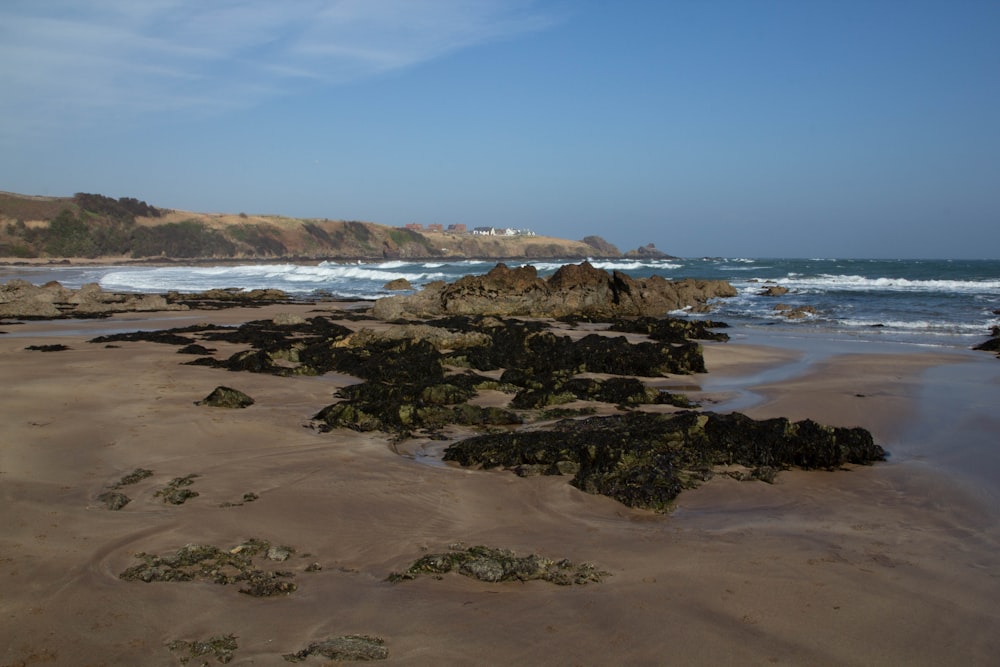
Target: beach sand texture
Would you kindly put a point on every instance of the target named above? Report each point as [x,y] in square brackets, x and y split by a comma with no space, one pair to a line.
[894,564]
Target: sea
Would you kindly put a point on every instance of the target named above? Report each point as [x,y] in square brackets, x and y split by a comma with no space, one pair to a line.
[924,302]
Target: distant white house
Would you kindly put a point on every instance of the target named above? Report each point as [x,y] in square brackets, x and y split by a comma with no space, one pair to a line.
[508,231]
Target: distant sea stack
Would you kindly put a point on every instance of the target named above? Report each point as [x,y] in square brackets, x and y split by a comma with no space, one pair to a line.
[648,251]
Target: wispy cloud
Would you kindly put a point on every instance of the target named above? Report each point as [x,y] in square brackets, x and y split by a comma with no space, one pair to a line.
[66,62]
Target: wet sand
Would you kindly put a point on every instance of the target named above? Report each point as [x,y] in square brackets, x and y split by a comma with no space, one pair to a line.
[884,565]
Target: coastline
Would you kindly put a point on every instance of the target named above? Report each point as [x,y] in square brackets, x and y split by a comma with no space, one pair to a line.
[893,563]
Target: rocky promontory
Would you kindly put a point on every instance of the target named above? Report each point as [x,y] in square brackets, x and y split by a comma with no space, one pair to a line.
[575,289]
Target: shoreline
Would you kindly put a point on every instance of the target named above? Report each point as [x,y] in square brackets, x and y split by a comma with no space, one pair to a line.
[892,563]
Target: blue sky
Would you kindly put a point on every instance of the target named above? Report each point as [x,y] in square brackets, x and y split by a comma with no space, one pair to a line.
[804,128]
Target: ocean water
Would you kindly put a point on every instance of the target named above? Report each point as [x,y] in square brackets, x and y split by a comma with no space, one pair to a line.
[933,302]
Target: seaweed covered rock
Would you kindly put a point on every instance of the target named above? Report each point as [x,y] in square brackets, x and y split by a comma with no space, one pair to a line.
[645,460]
[197,562]
[348,647]
[671,329]
[226,397]
[556,389]
[493,565]
[532,347]
[177,492]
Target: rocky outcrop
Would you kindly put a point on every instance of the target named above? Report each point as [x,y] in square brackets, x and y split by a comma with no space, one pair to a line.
[601,247]
[575,289]
[21,299]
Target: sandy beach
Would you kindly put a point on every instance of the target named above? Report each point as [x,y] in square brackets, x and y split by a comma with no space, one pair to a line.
[891,564]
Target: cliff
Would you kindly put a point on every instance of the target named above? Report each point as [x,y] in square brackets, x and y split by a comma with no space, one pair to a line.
[94,226]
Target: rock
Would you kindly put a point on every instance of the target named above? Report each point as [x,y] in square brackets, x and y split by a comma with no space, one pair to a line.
[226,397]
[221,647]
[794,312]
[773,290]
[288,319]
[114,500]
[279,553]
[575,289]
[398,285]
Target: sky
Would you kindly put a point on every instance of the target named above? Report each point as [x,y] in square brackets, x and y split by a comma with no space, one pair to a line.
[737,128]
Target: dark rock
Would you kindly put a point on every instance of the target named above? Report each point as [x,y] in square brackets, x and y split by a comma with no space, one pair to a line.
[991,345]
[226,397]
[169,337]
[349,647]
[57,347]
[645,459]
[195,348]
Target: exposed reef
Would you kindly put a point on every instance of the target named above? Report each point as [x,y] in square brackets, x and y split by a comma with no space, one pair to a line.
[419,377]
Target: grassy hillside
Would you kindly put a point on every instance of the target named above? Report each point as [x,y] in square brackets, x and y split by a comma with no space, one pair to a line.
[98,227]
